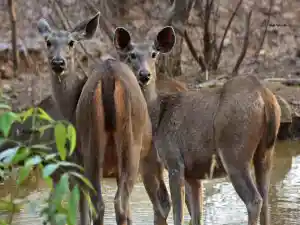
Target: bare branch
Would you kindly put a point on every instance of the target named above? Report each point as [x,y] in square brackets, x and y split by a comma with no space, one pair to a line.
[12,14]
[245,45]
[206,32]
[267,22]
[219,53]
[192,49]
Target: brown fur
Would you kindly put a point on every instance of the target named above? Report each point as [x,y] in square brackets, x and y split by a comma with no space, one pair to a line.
[169,85]
[108,101]
[271,118]
[112,96]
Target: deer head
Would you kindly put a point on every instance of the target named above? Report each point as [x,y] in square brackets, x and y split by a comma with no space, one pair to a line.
[60,43]
[141,57]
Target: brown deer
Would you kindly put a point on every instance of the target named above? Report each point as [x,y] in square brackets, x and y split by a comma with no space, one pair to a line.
[65,81]
[231,127]
[114,129]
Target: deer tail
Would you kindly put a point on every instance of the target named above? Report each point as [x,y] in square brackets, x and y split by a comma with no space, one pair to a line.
[272,112]
[108,100]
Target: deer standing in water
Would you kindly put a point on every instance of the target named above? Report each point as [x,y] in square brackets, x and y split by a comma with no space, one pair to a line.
[233,126]
[65,81]
[114,132]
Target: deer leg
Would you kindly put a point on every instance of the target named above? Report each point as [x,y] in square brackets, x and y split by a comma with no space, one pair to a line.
[93,171]
[152,176]
[262,165]
[128,171]
[239,174]
[176,183]
[194,193]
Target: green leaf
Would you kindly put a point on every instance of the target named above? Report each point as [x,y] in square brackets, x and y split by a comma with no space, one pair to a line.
[70,164]
[40,146]
[8,154]
[6,120]
[33,161]
[90,203]
[22,154]
[72,138]
[60,219]
[6,205]
[24,115]
[49,169]
[83,179]
[51,156]
[44,115]
[4,106]
[2,140]
[60,138]
[49,182]
[23,174]
[61,189]
[73,205]
[42,129]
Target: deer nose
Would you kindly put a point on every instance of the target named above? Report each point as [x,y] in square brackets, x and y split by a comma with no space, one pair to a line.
[59,62]
[144,76]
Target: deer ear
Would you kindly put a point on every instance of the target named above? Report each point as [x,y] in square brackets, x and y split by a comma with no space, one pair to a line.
[165,40]
[122,39]
[86,29]
[43,27]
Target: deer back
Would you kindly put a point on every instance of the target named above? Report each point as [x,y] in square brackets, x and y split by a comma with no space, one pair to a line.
[110,98]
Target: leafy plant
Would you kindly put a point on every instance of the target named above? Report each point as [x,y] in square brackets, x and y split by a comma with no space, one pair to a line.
[26,156]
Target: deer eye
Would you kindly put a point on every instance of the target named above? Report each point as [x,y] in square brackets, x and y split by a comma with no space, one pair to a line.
[48,43]
[71,43]
[153,54]
[132,55]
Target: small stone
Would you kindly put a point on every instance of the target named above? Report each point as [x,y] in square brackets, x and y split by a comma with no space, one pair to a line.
[7,88]
[227,42]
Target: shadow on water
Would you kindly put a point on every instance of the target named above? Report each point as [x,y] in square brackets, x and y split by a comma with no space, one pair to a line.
[222,206]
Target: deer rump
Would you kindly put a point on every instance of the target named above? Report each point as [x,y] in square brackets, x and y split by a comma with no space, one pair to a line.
[235,118]
[105,111]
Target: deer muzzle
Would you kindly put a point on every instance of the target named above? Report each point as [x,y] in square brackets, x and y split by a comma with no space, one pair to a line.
[144,77]
[58,65]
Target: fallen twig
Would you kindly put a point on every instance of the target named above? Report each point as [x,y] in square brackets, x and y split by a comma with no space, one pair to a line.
[284,81]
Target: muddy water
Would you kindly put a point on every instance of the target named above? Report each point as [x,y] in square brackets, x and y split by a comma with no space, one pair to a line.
[221,204]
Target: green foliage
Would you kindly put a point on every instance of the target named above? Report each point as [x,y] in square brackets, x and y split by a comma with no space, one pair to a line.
[26,156]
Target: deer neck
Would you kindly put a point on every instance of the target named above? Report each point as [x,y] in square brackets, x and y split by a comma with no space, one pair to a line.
[150,93]
[66,91]
[153,99]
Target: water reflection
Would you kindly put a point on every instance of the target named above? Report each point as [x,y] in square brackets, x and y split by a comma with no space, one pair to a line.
[222,205]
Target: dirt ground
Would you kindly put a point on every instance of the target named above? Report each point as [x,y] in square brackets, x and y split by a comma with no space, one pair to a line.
[280,55]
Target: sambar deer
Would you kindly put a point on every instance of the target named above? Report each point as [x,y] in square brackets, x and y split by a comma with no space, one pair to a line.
[65,80]
[232,127]
[114,129]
